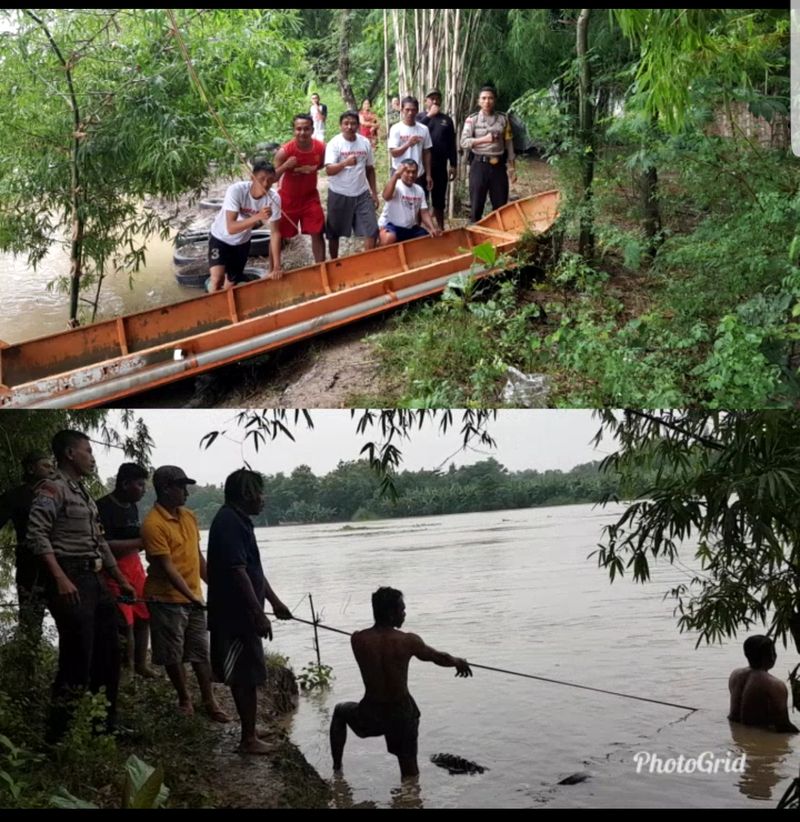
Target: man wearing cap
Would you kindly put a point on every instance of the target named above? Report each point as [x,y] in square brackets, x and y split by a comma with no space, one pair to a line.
[444,151]
[488,137]
[65,533]
[173,591]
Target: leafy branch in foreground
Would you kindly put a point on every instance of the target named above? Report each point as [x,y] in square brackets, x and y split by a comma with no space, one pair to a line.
[727,480]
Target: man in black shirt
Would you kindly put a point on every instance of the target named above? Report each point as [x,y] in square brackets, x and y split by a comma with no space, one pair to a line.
[15,505]
[443,137]
[237,589]
[120,517]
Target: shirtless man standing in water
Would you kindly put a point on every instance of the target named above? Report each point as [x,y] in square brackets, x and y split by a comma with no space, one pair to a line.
[758,698]
[387,709]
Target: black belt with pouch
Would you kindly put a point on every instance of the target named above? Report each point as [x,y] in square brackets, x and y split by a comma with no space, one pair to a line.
[492,160]
[80,563]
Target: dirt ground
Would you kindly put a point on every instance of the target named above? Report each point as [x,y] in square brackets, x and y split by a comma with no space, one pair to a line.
[332,370]
[280,779]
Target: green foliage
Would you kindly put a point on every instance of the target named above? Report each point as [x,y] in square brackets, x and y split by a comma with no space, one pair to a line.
[548,118]
[275,660]
[65,800]
[89,769]
[84,748]
[15,762]
[315,676]
[143,788]
[144,785]
[727,483]
[731,48]
[100,112]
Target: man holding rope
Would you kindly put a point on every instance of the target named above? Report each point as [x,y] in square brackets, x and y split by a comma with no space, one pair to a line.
[387,709]
[237,589]
[173,590]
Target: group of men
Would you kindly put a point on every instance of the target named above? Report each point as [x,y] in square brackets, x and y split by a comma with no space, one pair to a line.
[424,159]
[82,560]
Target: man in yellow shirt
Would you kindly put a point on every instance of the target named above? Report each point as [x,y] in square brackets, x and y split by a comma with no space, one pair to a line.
[173,591]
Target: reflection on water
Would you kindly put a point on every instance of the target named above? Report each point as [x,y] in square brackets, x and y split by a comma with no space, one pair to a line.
[765,753]
[407,795]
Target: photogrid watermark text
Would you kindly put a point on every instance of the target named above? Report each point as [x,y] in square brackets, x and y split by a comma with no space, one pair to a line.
[706,762]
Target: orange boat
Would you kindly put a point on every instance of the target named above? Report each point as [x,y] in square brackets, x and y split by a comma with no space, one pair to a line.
[110,360]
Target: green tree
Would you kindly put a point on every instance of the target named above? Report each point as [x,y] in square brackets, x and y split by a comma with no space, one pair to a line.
[100,111]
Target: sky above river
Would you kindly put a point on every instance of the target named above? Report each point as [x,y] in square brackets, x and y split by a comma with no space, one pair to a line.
[541,440]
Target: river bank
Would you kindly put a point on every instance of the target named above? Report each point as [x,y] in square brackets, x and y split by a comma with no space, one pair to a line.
[200,765]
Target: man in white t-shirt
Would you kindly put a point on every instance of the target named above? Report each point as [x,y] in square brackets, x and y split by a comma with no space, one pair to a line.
[411,140]
[352,193]
[247,205]
[405,207]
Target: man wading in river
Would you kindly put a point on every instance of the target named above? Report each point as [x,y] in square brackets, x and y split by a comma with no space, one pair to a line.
[757,697]
[387,709]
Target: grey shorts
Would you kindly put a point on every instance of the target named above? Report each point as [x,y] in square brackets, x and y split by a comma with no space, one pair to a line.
[351,215]
[177,634]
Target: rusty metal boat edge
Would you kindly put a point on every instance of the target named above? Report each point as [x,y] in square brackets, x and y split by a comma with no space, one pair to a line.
[108,361]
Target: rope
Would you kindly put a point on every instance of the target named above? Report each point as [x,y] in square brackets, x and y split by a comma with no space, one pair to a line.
[204,95]
[532,676]
[129,601]
[201,89]
[585,687]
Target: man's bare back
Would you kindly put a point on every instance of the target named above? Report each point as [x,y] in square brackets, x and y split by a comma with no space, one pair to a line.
[383,655]
[387,709]
[758,698]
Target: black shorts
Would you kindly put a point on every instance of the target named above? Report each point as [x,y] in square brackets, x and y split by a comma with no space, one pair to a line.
[437,197]
[233,257]
[238,660]
[397,721]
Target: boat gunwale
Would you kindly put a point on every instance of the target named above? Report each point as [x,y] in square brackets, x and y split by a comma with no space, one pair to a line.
[231,320]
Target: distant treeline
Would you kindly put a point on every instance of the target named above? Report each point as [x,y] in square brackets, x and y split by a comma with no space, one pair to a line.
[352,492]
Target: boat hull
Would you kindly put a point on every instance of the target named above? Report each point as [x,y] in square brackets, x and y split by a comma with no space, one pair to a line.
[114,359]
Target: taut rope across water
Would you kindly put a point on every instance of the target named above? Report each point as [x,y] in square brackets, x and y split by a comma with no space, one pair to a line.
[318,624]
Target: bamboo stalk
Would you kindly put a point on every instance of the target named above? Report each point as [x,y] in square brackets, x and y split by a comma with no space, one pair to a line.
[316,632]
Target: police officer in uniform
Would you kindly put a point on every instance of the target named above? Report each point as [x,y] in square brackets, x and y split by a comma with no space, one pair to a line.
[65,534]
[488,138]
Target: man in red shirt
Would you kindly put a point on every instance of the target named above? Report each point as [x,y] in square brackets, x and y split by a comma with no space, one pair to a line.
[296,164]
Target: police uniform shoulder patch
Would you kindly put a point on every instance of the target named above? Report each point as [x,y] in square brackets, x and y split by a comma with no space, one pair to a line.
[46,488]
